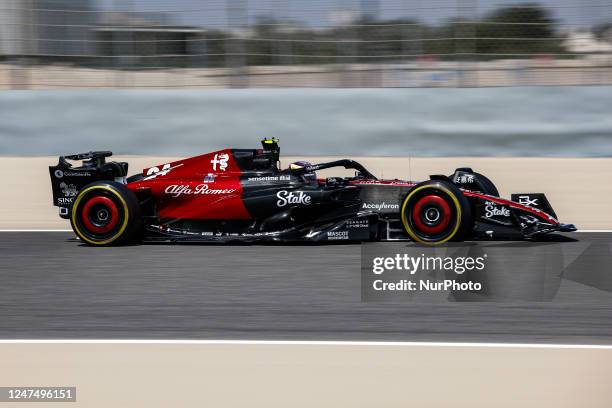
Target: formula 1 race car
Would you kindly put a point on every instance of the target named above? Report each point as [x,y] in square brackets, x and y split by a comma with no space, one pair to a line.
[244,195]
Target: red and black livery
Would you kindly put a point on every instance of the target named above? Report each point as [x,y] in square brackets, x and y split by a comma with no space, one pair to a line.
[244,195]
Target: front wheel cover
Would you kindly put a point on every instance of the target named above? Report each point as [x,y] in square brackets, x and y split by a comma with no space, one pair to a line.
[435,212]
[102,214]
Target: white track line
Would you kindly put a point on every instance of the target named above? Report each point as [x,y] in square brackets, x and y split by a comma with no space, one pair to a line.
[69,230]
[312,343]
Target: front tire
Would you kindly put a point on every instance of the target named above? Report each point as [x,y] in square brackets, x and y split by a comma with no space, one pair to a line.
[105,213]
[434,212]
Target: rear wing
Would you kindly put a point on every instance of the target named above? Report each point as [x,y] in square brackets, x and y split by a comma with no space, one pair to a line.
[68,179]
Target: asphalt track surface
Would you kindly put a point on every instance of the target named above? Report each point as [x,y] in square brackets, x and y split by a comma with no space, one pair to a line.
[52,286]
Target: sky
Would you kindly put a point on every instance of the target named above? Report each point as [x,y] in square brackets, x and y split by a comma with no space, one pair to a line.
[322,12]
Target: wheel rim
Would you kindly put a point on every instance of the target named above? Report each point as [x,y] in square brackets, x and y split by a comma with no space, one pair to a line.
[100,215]
[431,214]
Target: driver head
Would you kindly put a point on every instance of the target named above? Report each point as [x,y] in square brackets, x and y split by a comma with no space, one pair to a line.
[308,178]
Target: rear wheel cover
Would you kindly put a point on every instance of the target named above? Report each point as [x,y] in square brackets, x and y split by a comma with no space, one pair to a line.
[432,213]
[100,215]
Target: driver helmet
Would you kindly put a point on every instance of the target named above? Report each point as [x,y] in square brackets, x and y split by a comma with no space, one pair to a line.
[308,178]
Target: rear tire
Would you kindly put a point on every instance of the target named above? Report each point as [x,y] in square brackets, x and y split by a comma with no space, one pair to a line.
[106,213]
[435,211]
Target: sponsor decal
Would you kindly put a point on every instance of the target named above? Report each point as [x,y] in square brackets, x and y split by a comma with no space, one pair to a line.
[464,179]
[269,178]
[492,210]
[380,206]
[528,220]
[209,178]
[221,160]
[285,197]
[77,174]
[337,235]
[528,201]
[386,182]
[60,173]
[65,200]
[69,190]
[361,223]
[156,171]
[177,190]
